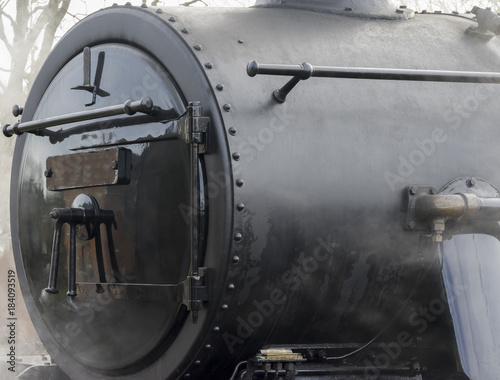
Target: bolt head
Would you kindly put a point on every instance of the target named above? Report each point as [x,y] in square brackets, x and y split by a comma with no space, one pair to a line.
[413,190]
[471,182]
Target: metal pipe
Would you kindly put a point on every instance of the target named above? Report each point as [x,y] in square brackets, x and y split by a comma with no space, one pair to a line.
[457,206]
[306,70]
[145,105]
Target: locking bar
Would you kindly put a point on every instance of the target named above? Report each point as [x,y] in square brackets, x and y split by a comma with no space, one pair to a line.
[306,71]
[145,105]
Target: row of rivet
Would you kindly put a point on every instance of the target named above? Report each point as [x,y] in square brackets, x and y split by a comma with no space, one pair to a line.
[208,65]
[239,182]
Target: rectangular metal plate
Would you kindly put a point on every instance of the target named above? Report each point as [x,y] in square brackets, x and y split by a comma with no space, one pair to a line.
[99,168]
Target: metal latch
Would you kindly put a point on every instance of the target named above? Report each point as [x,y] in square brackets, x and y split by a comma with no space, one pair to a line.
[196,291]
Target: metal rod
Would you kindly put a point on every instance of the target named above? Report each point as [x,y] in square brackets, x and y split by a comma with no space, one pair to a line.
[112,254]
[72,261]
[54,263]
[145,105]
[100,260]
[255,68]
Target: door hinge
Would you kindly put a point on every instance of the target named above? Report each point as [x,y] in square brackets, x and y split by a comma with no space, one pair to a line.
[197,290]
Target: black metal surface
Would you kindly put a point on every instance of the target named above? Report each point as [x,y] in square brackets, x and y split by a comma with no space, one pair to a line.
[378,9]
[300,238]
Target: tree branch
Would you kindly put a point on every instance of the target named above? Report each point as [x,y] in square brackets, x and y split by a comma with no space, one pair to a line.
[7,16]
[3,36]
[188,3]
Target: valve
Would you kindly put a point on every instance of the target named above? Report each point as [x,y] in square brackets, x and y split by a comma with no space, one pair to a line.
[84,212]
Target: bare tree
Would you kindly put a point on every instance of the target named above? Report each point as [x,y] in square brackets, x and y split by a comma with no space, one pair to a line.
[28,37]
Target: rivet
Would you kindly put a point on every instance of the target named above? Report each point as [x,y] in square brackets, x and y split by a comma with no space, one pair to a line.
[432,191]
[187,375]
[400,11]
[455,12]
[239,182]
[144,5]
[238,236]
[240,206]
[230,287]
[232,131]
[216,329]
[438,12]
[48,173]
[413,190]
[197,47]
[171,19]
[411,224]
[209,65]
[227,107]
[347,9]
[240,41]
[208,347]
[402,6]
[114,5]
[159,11]
[236,156]
[185,30]
[220,87]
[470,183]
[224,307]
[236,259]
[128,4]
[197,362]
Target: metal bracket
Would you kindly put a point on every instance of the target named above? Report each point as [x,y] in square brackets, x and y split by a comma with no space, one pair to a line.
[424,208]
[95,89]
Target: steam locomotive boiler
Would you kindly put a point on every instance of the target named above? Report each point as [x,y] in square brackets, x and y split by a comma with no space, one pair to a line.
[296,190]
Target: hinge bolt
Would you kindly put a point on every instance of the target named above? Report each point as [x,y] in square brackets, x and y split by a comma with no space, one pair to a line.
[413,190]
[470,183]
